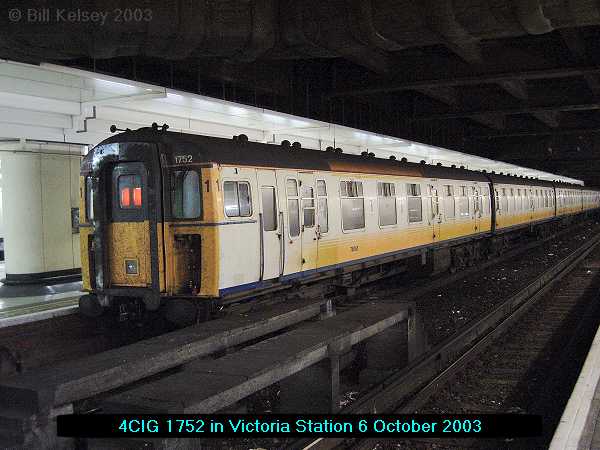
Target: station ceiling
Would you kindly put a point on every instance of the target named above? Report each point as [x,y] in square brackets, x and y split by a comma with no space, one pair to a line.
[510,80]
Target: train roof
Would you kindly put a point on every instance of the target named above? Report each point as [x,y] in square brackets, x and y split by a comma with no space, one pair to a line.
[243,152]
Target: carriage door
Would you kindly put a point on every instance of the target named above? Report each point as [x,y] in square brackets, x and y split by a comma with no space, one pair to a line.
[477,212]
[128,244]
[436,216]
[270,228]
[308,216]
[532,205]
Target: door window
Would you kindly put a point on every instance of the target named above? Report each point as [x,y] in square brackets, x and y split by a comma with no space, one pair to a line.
[130,191]
[322,206]
[463,202]
[129,195]
[269,206]
[293,204]
[449,205]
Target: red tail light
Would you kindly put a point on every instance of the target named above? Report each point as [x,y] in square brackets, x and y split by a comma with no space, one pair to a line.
[137,197]
[126,197]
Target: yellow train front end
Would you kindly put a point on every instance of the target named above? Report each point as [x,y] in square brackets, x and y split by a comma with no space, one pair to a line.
[148,234]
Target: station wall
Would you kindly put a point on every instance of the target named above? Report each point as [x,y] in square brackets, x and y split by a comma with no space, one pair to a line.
[40,187]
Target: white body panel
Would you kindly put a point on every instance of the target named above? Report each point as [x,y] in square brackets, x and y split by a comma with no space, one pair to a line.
[294,247]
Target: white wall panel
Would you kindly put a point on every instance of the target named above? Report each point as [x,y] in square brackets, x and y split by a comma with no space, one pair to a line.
[39,188]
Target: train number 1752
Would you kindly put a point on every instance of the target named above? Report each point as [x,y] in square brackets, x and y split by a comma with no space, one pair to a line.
[183,159]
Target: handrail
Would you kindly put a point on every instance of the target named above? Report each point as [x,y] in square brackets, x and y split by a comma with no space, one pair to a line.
[281,244]
[262,247]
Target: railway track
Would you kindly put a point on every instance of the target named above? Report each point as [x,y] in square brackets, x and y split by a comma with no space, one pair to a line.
[37,344]
[411,388]
[425,286]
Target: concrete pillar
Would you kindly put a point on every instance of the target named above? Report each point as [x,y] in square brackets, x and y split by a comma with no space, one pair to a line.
[313,390]
[40,186]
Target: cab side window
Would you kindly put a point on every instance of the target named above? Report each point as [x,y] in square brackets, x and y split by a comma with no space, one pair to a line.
[186,195]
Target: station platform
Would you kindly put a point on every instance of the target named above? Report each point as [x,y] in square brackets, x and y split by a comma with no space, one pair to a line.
[30,303]
[579,426]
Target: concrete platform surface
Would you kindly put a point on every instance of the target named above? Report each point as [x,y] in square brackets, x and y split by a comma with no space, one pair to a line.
[30,303]
[70,381]
[579,426]
[207,386]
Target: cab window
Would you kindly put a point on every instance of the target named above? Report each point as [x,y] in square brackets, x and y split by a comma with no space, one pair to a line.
[186,194]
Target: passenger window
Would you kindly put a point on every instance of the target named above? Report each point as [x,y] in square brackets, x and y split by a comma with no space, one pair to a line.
[415,205]
[504,200]
[89,199]
[353,205]
[449,205]
[386,196]
[322,206]
[130,191]
[245,200]
[293,204]
[236,196]
[186,195]
[269,208]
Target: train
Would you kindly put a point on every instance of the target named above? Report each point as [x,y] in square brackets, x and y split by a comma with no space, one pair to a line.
[169,218]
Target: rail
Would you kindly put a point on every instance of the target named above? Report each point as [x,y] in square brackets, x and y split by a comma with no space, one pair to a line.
[409,388]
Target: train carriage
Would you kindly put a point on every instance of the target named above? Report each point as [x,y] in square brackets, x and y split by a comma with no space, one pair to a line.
[170,216]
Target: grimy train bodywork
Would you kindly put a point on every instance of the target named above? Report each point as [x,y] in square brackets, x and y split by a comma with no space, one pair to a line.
[168,215]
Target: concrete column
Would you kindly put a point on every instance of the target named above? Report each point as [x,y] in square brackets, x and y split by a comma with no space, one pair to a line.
[40,186]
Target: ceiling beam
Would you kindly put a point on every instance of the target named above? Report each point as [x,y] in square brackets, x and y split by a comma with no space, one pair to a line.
[449,96]
[550,118]
[576,45]
[516,88]
[511,111]
[579,131]
[495,121]
[472,80]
